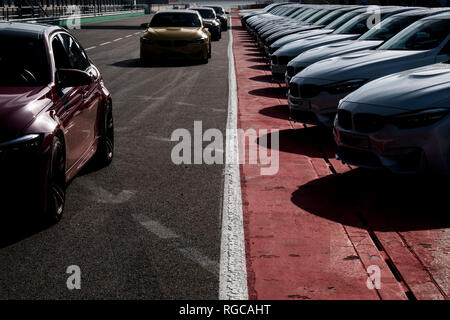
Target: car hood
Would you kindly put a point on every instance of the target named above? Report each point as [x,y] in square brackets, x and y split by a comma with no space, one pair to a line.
[297,47]
[369,64]
[410,90]
[300,35]
[18,107]
[333,50]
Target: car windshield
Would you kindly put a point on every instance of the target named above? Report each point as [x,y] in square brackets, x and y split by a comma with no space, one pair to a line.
[317,16]
[357,25]
[342,19]
[422,35]
[173,19]
[218,10]
[328,18]
[207,13]
[389,28]
[23,62]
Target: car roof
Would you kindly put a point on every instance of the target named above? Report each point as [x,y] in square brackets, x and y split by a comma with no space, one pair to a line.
[30,30]
[445,15]
[203,8]
[421,11]
[178,11]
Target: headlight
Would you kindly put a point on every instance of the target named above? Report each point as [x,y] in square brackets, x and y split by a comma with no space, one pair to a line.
[198,41]
[419,119]
[147,40]
[30,142]
[344,86]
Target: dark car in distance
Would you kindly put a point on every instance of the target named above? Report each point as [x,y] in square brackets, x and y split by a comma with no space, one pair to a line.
[221,15]
[55,116]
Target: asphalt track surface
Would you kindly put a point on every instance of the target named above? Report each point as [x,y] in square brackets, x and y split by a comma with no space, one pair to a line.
[143,228]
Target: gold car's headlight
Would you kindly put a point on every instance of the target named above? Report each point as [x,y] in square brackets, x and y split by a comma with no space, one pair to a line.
[199,41]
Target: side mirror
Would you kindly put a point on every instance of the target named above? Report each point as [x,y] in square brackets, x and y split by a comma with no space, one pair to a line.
[72,78]
[145,25]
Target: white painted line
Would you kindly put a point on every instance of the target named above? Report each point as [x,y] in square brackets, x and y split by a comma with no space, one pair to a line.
[233,270]
[104,43]
[118,39]
[155,227]
[90,48]
[130,35]
[199,258]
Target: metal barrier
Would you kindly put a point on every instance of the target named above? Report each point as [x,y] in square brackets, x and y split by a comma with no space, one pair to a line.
[40,9]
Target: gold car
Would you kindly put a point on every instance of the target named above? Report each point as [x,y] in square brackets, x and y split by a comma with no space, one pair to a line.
[176,34]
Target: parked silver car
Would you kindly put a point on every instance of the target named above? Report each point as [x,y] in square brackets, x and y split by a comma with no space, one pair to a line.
[314,93]
[351,30]
[400,122]
[372,39]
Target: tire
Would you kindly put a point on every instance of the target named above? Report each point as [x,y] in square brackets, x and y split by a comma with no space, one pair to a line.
[209,50]
[105,148]
[56,184]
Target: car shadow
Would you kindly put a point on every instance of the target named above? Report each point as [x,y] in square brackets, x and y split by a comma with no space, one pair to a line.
[269,92]
[314,142]
[378,199]
[278,112]
[260,67]
[116,27]
[138,63]
[260,60]
[262,78]
[16,226]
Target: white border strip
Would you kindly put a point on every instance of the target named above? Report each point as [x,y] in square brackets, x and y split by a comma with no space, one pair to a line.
[233,269]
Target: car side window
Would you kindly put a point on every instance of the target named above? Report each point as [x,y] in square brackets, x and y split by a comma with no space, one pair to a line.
[446,49]
[60,55]
[77,56]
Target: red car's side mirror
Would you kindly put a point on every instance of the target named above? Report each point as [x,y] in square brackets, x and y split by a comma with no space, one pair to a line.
[72,78]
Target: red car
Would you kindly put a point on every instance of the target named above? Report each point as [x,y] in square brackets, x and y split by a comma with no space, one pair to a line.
[55,116]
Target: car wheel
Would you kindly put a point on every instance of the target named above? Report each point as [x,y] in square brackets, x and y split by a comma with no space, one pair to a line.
[56,186]
[209,50]
[105,148]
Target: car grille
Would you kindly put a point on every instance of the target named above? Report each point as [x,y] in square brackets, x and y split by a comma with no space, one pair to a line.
[366,122]
[164,43]
[284,60]
[345,119]
[359,157]
[180,43]
[309,91]
[293,90]
[291,71]
[273,59]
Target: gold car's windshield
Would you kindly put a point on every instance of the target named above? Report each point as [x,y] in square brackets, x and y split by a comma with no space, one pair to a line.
[174,19]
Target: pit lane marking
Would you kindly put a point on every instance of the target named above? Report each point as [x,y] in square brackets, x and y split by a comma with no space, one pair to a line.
[233,269]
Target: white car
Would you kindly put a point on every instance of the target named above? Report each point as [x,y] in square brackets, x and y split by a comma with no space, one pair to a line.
[315,32]
[314,93]
[372,39]
[351,30]
[400,122]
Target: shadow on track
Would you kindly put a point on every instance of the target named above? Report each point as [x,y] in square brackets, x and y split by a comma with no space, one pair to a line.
[138,63]
[117,27]
[305,141]
[387,202]
[262,78]
[269,92]
[278,112]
